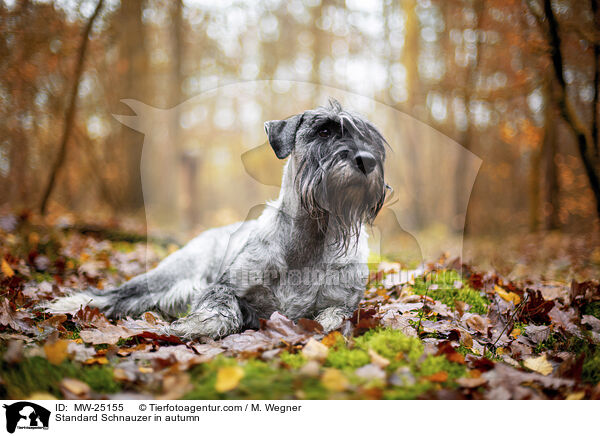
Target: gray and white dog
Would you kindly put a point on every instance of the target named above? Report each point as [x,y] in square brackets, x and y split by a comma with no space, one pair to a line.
[305,256]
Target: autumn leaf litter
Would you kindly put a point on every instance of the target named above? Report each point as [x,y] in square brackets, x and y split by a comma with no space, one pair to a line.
[477,335]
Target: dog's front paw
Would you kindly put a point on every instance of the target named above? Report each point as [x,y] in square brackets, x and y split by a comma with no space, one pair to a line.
[331,318]
[201,324]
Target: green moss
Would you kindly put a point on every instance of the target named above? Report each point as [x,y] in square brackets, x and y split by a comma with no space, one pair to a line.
[410,392]
[40,277]
[389,343]
[123,247]
[520,326]
[553,341]
[434,364]
[262,380]
[590,372]
[293,360]
[592,309]
[342,357]
[38,375]
[447,293]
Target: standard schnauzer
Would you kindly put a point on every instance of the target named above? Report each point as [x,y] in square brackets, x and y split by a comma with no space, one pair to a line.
[305,256]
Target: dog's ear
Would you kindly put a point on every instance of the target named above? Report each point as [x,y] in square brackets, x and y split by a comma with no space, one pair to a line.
[282,135]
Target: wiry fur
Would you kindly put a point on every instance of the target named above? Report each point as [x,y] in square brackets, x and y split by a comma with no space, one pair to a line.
[231,276]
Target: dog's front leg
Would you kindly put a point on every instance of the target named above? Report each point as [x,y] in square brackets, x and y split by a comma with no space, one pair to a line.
[215,313]
[331,318]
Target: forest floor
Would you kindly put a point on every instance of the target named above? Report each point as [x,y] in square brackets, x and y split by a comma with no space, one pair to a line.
[453,331]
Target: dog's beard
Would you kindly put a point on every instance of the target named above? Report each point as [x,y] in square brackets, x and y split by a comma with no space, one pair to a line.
[341,199]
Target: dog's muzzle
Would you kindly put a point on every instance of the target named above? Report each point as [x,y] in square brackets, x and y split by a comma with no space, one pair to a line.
[364,161]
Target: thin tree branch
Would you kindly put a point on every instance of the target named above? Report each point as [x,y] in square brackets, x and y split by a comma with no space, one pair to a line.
[70,116]
[596,80]
[567,110]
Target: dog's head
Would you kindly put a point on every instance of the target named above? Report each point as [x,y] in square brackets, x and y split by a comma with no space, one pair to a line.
[338,158]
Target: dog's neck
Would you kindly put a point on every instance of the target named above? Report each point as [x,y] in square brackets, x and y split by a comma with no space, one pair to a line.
[305,235]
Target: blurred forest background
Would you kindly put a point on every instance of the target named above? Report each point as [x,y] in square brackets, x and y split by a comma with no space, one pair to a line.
[516,82]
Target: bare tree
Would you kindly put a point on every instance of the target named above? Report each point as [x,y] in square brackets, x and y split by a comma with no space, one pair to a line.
[70,115]
[586,136]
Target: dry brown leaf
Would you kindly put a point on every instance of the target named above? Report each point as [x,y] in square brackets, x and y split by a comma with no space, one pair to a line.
[107,334]
[438,377]
[476,322]
[466,340]
[274,332]
[175,386]
[16,319]
[470,383]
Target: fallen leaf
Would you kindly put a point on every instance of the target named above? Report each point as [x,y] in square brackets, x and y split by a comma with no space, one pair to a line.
[276,331]
[101,360]
[315,350]
[40,396]
[476,322]
[107,334]
[576,396]
[537,309]
[507,295]
[538,333]
[370,372]
[592,321]
[56,352]
[175,386]
[14,352]
[470,383]
[438,377]
[6,269]
[396,321]
[331,339]
[311,369]
[539,364]
[228,378]
[377,359]
[334,380]
[446,349]
[466,340]
[73,389]
[310,325]
[79,352]
[15,319]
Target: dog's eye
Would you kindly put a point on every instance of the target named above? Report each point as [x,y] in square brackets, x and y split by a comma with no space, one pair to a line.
[324,133]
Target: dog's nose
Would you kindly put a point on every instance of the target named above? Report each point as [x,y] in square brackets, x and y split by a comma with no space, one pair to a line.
[365,161]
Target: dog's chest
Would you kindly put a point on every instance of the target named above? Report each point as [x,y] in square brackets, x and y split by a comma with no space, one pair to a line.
[293,293]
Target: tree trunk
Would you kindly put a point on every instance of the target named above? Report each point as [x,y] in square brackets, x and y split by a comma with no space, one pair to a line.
[130,33]
[467,137]
[583,137]
[70,115]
